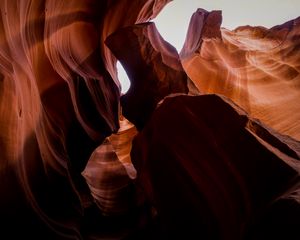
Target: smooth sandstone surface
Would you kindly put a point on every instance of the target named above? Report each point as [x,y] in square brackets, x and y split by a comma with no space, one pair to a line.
[211,147]
[257,68]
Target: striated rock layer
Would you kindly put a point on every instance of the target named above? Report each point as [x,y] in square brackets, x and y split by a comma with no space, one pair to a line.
[204,166]
[59,99]
[109,172]
[257,68]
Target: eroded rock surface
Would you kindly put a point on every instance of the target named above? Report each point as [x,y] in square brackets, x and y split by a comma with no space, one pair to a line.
[153,67]
[59,99]
[257,68]
[196,157]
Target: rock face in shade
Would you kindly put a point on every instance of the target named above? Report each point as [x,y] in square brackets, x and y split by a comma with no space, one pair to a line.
[257,68]
[211,171]
[153,67]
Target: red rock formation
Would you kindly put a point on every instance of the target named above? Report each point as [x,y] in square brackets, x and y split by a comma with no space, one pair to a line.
[211,171]
[59,100]
[153,68]
[110,173]
[257,68]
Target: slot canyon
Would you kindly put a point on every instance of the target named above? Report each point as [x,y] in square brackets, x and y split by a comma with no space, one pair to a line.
[205,144]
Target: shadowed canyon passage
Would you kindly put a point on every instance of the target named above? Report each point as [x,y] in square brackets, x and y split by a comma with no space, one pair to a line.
[205,142]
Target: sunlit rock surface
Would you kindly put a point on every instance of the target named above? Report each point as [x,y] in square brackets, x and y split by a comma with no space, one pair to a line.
[65,163]
[257,68]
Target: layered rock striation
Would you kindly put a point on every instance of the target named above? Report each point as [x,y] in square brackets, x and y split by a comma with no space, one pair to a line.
[216,128]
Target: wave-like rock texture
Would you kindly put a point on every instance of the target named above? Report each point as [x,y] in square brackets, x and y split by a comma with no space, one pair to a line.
[63,151]
[109,172]
[59,99]
[257,68]
[211,172]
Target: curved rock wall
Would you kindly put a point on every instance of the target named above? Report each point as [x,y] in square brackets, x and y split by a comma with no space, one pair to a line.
[60,99]
[257,68]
